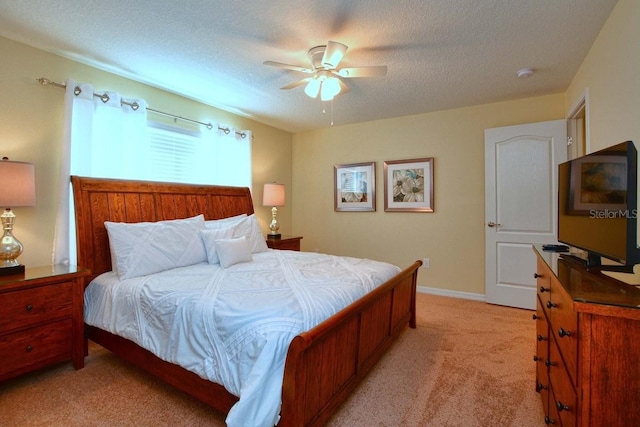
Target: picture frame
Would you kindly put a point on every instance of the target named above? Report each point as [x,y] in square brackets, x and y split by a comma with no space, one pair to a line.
[355,187]
[597,183]
[408,185]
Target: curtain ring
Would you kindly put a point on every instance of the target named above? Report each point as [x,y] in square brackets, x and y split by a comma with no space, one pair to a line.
[104,97]
[77,91]
[209,126]
[135,106]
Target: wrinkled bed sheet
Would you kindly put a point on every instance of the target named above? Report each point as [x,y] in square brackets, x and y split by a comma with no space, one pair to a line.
[233,326]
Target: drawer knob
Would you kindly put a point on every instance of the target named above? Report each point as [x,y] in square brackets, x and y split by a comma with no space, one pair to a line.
[540,387]
[536,275]
[29,307]
[548,362]
[537,359]
[561,406]
[29,348]
[535,317]
[551,305]
[541,338]
[563,333]
[543,289]
[548,420]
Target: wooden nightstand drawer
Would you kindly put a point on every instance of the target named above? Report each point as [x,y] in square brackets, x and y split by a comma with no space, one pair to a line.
[285,243]
[23,308]
[41,318]
[35,347]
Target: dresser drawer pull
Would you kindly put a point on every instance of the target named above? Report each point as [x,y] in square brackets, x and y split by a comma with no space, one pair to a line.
[548,420]
[551,305]
[541,338]
[535,317]
[536,275]
[561,406]
[29,307]
[549,363]
[537,359]
[563,333]
[543,289]
[29,348]
[540,387]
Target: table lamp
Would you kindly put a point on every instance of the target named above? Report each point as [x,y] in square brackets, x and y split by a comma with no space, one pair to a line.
[17,188]
[273,195]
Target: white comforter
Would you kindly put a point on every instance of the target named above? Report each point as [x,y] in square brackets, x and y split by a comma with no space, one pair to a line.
[233,326]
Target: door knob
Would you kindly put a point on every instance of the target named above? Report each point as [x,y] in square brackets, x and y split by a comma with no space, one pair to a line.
[493,224]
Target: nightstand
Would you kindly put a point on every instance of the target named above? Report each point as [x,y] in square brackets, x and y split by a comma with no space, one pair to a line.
[285,243]
[41,319]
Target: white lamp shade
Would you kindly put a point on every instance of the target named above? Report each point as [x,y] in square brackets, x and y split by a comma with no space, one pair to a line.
[273,195]
[17,184]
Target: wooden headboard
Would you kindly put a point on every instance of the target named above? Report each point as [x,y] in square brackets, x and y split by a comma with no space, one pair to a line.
[98,200]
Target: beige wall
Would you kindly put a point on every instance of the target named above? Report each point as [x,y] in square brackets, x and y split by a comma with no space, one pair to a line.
[453,236]
[31,131]
[611,73]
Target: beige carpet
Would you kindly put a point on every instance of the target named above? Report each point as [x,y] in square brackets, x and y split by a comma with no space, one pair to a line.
[467,364]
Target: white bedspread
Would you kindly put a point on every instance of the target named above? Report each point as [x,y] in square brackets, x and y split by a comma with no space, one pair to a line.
[233,326]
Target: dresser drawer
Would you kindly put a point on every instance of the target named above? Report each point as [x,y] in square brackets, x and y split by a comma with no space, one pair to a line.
[563,397]
[32,348]
[543,282]
[542,354]
[27,307]
[564,326]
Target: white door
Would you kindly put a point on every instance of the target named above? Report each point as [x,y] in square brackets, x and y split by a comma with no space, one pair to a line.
[520,205]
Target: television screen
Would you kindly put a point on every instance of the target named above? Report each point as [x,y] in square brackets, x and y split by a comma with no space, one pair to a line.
[597,210]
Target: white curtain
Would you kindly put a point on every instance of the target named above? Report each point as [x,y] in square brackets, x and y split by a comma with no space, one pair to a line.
[102,138]
[224,146]
[105,137]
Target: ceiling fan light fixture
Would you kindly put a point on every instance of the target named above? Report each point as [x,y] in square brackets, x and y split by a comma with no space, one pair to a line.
[313,88]
[330,88]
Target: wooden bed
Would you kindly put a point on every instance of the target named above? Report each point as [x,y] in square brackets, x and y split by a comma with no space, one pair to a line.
[323,365]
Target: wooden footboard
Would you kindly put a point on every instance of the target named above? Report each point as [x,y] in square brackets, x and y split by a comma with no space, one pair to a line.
[326,363]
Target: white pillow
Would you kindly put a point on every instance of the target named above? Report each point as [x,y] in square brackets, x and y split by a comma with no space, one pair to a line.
[233,251]
[247,227]
[254,234]
[142,248]
[209,238]
[224,222]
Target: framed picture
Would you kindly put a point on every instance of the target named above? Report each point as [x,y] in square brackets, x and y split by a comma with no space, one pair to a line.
[355,187]
[408,185]
[597,183]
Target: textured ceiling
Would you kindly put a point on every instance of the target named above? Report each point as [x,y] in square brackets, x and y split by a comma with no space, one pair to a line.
[440,54]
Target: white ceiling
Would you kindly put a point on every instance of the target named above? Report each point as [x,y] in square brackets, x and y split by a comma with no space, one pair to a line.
[440,54]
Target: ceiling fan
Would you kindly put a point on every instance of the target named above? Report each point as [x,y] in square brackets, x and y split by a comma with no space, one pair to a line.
[325,77]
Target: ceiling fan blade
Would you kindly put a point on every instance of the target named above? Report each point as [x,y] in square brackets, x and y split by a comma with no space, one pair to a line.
[344,88]
[333,54]
[296,84]
[288,67]
[373,71]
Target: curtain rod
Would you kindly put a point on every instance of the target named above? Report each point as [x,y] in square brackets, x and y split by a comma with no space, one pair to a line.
[134,105]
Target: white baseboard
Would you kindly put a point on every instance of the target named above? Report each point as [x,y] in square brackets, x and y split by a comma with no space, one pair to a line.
[449,293]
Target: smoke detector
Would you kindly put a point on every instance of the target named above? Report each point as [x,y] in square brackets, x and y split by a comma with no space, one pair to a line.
[525,72]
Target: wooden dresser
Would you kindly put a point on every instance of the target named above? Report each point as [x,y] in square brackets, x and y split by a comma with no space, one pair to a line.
[587,345]
[285,243]
[41,319]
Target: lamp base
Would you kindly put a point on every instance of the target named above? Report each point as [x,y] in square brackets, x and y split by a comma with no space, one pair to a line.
[274,236]
[14,269]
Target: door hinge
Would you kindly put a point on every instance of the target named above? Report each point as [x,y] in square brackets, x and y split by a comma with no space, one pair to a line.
[569,140]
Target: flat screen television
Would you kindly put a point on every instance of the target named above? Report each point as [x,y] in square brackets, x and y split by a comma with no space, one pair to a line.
[597,207]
